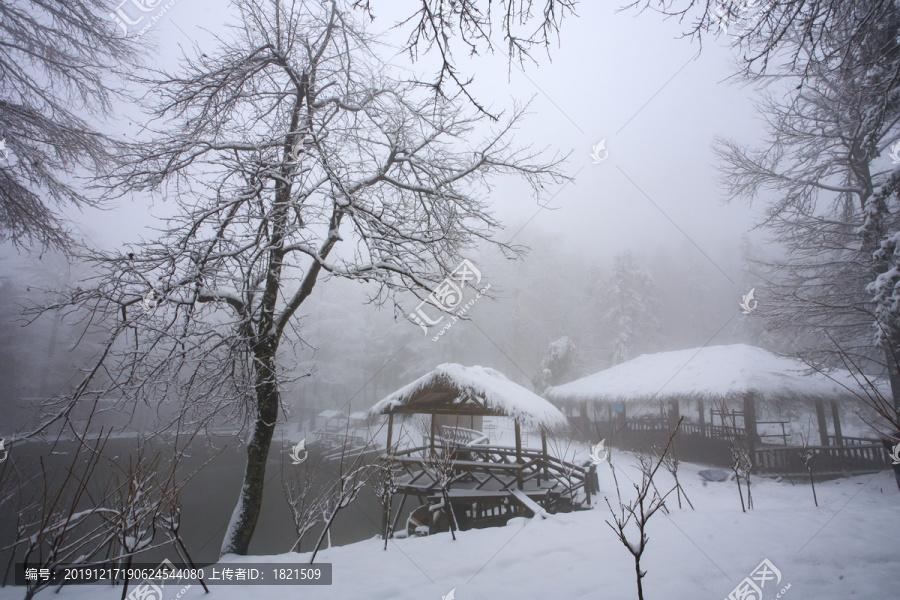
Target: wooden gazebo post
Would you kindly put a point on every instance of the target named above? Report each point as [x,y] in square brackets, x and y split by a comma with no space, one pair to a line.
[519,482]
[702,417]
[544,452]
[673,413]
[386,515]
[836,417]
[390,431]
[611,419]
[433,425]
[823,424]
[750,428]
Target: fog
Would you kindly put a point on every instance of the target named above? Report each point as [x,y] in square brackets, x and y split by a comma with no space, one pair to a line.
[655,97]
[328,279]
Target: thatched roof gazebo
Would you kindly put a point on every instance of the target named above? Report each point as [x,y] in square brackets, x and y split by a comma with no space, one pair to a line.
[455,390]
[482,473]
[707,373]
[735,375]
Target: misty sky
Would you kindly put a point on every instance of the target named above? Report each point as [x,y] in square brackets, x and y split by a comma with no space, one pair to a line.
[630,78]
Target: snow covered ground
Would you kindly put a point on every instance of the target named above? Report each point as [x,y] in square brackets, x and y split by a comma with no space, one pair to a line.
[845,549]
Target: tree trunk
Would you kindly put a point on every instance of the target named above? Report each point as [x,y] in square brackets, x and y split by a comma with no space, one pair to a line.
[246,513]
[637,571]
[894,372]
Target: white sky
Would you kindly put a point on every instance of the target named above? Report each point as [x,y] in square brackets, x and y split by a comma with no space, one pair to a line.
[626,77]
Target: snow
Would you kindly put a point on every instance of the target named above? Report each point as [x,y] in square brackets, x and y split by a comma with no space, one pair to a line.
[498,393]
[331,414]
[844,549]
[706,373]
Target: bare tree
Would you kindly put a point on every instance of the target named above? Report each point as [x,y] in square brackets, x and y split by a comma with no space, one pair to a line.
[385,482]
[305,496]
[639,510]
[767,31]
[741,459]
[866,390]
[671,463]
[56,61]
[439,25]
[66,520]
[439,464]
[350,482]
[834,211]
[50,527]
[807,455]
[288,143]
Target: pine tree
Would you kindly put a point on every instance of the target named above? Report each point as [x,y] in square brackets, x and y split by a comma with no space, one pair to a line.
[630,310]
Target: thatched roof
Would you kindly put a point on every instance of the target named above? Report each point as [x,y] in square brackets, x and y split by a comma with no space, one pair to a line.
[458,390]
[709,373]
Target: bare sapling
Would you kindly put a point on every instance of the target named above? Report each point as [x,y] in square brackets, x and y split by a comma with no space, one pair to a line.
[640,509]
[385,482]
[305,497]
[562,447]
[807,455]
[351,480]
[670,463]
[52,530]
[439,464]
[67,521]
[741,462]
[866,388]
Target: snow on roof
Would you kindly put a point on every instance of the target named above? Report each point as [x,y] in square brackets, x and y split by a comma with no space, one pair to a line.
[331,414]
[457,383]
[712,372]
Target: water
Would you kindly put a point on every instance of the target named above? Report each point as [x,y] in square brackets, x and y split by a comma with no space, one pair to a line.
[209,498]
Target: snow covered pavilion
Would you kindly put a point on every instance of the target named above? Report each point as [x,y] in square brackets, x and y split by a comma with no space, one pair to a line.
[699,382]
[484,482]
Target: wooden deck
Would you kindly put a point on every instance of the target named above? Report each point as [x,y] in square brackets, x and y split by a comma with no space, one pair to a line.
[490,484]
[491,468]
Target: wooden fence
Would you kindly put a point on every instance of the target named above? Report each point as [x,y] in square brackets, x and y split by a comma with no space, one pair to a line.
[826,460]
[711,444]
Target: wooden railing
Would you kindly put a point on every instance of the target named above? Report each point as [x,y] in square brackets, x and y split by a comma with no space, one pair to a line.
[852,441]
[463,436]
[830,460]
[718,432]
[855,455]
[489,468]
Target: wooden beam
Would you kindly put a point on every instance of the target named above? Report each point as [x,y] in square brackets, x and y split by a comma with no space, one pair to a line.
[823,424]
[386,516]
[836,417]
[750,422]
[448,410]
[390,432]
[544,452]
[674,413]
[533,507]
[433,425]
[544,443]
[519,481]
